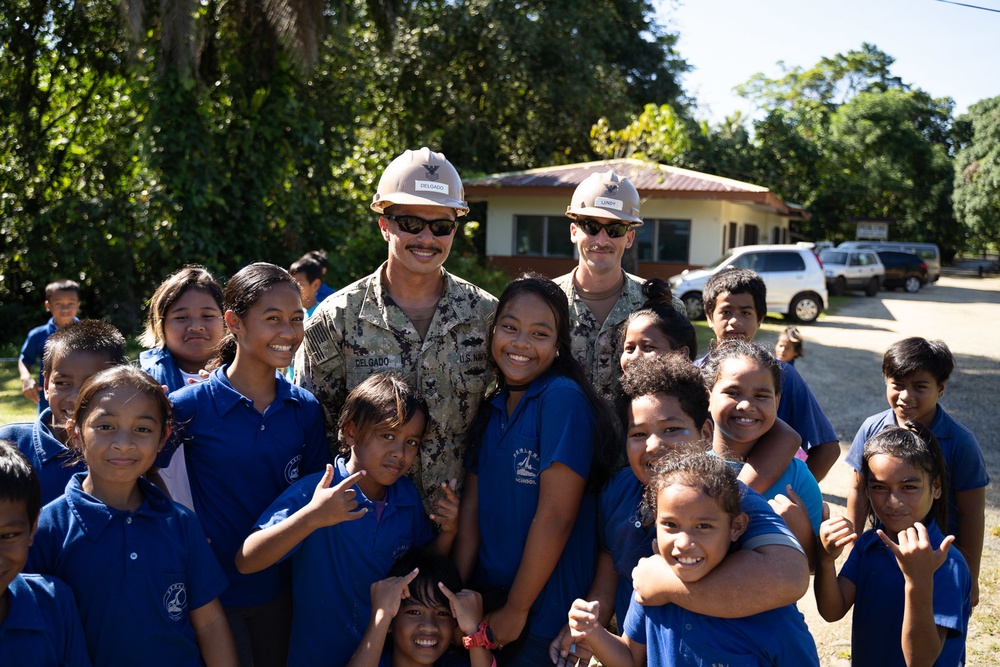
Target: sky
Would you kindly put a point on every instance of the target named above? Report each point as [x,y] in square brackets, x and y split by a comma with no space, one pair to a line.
[944,49]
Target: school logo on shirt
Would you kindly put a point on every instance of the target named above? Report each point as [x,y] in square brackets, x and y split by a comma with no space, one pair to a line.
[526,465]
[292,470]
[175,601]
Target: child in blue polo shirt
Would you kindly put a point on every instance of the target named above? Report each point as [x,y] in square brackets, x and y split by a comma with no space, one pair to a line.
[527,531]
[62,299]
[343,529]
[183,329]
[72,354]
[744,384]
[415,611]
[146,583]
[248,435]
[916,372]
[39,622]
[902,577]
[696,500]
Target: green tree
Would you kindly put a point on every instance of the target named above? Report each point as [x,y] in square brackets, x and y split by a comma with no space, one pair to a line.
[977,174]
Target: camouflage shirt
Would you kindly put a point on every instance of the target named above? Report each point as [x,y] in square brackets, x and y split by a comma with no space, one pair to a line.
[595,345]
[359,331]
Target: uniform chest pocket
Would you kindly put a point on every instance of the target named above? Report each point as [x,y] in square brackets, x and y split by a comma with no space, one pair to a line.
[462,391]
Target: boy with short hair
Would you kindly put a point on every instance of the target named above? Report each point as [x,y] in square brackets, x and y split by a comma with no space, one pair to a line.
[62,299]
[735,304]
[916,371]
[39,621]
[72,354]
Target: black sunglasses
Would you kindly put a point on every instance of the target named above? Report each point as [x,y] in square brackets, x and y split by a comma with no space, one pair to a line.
[615,230]
[412,224]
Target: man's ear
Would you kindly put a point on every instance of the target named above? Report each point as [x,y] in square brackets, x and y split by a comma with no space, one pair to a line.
[629,238]
[383,226]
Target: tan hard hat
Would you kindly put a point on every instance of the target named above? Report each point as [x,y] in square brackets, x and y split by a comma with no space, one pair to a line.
[420,178]
[606,195]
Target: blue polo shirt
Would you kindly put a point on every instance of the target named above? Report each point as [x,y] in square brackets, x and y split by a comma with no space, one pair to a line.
[32,351]
[799,408]
[453,658]
[323,292]
[334,567]
[160,365]
[877,625]
[53,462]
[962,454]
[552,423]
[803,483]
[42,628]
[136,575]
[675,637]
[239,461]
[621,532]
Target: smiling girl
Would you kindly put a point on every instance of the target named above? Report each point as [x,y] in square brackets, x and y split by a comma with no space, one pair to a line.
[248,435]
[698,518]
[744,383]
[342,529]
[902,577]
[145,580]
[527,527]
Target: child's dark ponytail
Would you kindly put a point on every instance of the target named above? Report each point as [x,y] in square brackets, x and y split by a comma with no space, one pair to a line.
[243,291]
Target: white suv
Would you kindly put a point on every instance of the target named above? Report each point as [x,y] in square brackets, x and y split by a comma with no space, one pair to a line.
[851,269]
[796,287]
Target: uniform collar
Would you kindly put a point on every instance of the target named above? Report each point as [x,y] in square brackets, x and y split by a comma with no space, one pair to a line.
[24,612]
[226,398]
[156,355]
[94,516]
[393,498]
[455,307]
[630,298]
[46,445]
[537,386]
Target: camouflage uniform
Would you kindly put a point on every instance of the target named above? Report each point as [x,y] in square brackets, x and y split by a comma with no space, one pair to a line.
[596,345]
[360,331]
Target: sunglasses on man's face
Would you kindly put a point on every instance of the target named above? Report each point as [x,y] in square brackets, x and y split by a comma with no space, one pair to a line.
[615,230]
[412,224]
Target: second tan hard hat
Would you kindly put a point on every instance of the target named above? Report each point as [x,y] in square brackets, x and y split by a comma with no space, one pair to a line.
[606,195]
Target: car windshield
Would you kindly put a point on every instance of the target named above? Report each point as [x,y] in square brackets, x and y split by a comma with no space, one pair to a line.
[833,257]
[729,253]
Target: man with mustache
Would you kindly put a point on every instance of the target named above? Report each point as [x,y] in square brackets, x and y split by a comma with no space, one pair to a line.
[410,317]
[605,213]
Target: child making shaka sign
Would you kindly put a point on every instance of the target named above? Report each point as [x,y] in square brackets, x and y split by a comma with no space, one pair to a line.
[344,528]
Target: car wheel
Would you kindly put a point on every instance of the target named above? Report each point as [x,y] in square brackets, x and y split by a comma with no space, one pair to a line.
[693,305]
[912,284]
[805,308]
[872,288]
[839,286]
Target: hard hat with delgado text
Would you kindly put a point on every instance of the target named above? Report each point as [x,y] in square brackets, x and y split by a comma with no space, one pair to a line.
[420,178]
[606,195]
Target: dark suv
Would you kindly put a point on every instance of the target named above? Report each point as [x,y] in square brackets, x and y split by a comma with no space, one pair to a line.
[903,269]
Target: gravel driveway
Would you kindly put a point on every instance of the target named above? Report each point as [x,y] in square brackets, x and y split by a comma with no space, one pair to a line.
[843,368]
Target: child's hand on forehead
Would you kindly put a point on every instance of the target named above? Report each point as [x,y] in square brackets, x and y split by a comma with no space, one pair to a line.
[445,513]
[388,593]
[332,505]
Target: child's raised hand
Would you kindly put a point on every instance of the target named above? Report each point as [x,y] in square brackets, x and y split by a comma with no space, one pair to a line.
[388,593]
[914,554]
[332,505]
[466,607]
[445,508]
[583,617]
[835,534]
